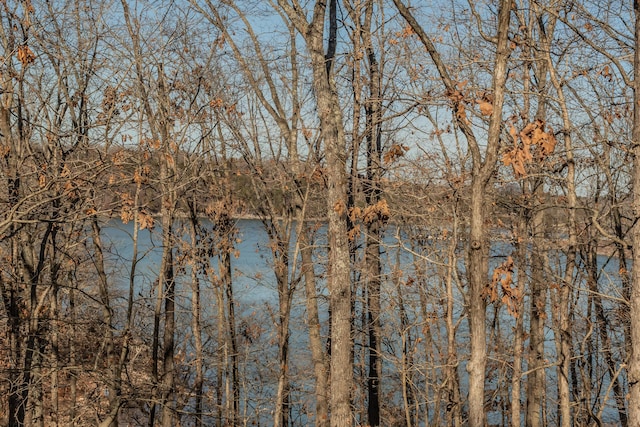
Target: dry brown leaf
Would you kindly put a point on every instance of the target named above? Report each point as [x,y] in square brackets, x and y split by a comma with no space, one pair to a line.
[461,113]
[379,211]
[354,233]
[25,55]
[486,108]
[355,213]
[394,152]
[146,220]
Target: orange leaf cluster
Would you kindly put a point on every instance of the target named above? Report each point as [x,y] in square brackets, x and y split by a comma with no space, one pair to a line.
[25,55]
[5,150]
[376,212]
[395,152]
[606,73]
[355,213]
[407,31]
[146,220]
[503,279]
[379,211]
[520,154]
[354,233]
[126,212]
[485,103]
[307,133]
[141,174]
[456,96]
[216,103]
[171,163]
[28,7]
[486,107]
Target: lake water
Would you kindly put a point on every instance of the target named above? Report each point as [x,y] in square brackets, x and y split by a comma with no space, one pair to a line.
[256,299]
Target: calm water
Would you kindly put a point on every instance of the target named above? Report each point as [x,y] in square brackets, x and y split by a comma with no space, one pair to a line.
[256,298]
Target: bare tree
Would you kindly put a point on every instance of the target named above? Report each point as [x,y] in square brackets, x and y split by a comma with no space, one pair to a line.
[483,168]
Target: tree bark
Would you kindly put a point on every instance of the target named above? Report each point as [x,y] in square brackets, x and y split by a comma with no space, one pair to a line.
[339,280]
[634,302]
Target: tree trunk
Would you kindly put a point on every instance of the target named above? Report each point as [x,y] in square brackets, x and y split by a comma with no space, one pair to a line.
[373,192]
[196,324]
[634,302]
[107,313]
[338,280]
[477,275]
[537,317]
[318,354]
[233,414]
[281,270]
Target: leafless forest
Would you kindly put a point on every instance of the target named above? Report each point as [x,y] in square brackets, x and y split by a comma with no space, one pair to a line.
[449,191]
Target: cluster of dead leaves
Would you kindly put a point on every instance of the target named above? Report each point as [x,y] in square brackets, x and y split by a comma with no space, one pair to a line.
[376,212]
[5,150]
[521,153]
[25,55]
[459,99]
[503,279]
[405,33]
[128,212]
[457,96]
[394,153]
[485,104]
[219,104]
[141,174]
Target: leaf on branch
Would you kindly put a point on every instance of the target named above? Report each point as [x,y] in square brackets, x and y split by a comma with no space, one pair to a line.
[394,152]
[216,103]
[355,213]
[171,164]
[520,154]
[118,158]
[535,134]
[606,73]
[457,99]
[379,211]
[25,55]
[28,6]
[307,133]
[125,214]
[516,159]
[486,108]
[461,113]
[354,233]
[137,177]
[69,186]
[407,31]
[503,279]
[146,220]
